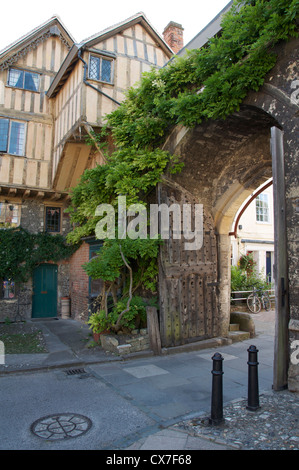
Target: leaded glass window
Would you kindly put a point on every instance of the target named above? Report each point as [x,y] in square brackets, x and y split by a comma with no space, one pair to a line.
[106,71]
[53,216]
[12,136]
[4,128]
[100,69]
[16,138]
[23,79]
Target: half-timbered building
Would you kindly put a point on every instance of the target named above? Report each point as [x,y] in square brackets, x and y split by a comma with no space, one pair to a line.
[53,93]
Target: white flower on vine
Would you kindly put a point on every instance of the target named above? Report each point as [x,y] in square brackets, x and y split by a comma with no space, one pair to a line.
[158,83]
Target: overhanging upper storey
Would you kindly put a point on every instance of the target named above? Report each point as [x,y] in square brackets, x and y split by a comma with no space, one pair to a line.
[27,68]
[92,82]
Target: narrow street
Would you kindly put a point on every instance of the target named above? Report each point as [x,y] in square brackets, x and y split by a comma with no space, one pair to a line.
[114,404]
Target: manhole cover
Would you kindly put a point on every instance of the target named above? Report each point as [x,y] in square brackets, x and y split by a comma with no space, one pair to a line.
[61,426]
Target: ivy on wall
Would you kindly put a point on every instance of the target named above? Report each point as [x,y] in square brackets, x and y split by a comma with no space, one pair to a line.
[21,252]
[206,83]
[210,83]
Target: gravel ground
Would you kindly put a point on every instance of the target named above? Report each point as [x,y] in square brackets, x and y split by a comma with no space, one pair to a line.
[275,426]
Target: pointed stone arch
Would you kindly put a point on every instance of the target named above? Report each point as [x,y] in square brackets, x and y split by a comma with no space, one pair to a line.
[225,161]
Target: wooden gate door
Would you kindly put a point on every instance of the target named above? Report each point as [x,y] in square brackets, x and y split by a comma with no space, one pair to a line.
[44,300]
[188,287]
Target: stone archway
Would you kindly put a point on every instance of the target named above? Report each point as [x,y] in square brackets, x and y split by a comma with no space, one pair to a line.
[224,162]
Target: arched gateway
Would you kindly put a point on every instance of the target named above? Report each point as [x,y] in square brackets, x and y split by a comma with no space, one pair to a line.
[224,162]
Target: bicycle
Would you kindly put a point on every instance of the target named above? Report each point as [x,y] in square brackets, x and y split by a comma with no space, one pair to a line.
[257,300]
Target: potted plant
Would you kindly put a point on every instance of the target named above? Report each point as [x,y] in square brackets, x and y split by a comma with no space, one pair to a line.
[99,323]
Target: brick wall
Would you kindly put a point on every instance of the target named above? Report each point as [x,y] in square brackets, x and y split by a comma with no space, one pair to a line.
[79,283]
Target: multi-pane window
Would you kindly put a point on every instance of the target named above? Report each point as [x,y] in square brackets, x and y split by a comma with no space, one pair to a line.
[100,69]
[12,136]
[23,79]
[9,214]
[262,208]
[53,216]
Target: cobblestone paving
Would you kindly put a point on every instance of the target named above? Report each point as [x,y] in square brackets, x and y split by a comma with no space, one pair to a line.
[275,426]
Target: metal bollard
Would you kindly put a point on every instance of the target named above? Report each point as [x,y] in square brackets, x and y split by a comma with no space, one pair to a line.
[217,392]
[253,386]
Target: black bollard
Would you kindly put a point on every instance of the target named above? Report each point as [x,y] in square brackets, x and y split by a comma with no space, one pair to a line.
[217,392]
[253,385]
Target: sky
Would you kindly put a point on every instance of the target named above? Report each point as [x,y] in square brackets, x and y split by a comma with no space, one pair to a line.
[84,19]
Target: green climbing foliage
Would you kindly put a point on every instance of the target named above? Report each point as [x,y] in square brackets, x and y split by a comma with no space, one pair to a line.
[210,83]
[21,252]
[130,172]
[142,254]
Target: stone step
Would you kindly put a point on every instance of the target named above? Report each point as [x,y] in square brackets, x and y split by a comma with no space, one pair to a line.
[238,335]
[234,327]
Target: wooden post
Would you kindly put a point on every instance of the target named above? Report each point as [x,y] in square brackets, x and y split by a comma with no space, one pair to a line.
[281,353]
[153,330]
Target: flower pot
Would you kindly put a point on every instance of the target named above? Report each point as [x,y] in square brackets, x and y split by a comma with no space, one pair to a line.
[97,336]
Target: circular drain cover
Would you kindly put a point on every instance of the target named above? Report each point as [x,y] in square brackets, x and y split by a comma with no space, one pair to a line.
[61,426]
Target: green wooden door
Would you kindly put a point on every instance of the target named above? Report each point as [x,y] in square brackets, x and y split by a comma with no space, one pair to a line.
[44,300]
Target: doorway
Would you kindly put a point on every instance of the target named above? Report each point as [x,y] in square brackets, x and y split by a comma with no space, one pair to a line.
[44,299]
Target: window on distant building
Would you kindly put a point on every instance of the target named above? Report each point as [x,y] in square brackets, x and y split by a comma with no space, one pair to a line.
[12,136]
[23,79]
[262,208]
[100,68]
[53,216]
[9,214]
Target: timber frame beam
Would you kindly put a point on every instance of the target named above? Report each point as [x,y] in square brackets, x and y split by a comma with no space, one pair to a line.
[33,193]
